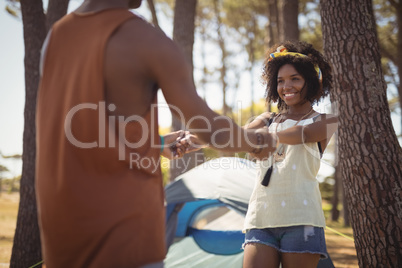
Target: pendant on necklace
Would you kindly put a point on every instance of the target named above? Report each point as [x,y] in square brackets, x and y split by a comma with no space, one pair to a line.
[280,155]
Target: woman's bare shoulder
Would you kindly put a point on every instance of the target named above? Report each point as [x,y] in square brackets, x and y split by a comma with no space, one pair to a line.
[324,117]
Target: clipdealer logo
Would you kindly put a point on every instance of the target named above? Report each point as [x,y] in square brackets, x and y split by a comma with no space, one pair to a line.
[101,139]
[107,125]
[107,122]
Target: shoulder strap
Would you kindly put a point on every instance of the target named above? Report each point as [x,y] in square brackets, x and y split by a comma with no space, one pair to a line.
[271,119]
[318,143]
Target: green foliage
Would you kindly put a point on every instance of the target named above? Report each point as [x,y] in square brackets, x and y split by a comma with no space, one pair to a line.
[169,3]
[387,29]
[310,30]
[245,116]
[248,18]
[14,156]
[12,185]
[165,167]
[327,189]
[9,183]
[3,169]
[210,153]
[13,8]
[166,6]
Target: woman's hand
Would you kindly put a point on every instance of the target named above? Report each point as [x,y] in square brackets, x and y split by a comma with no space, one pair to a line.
[190,143]
[179,143]
[269,143]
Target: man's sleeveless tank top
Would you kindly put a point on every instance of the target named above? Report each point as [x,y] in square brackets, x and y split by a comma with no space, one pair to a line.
[292,196]
[98,180]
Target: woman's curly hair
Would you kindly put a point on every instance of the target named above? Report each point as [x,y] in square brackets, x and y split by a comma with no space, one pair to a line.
[304,66]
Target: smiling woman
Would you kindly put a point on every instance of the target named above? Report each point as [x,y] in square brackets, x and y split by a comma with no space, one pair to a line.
[297,76]
[291,85]
[307,62]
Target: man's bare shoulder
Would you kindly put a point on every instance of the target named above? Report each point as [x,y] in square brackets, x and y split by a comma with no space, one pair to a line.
[137,32]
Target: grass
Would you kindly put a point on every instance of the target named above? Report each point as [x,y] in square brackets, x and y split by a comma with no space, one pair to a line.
[341,249]
[8,219]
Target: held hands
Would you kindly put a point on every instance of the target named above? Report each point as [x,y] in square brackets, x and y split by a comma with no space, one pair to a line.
[179,143]
[266,144]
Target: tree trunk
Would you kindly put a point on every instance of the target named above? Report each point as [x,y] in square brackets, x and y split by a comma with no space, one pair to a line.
[55,10]
[184,25]
[183,35]
[288,20]
[335,197]
[27,248]
[151,6]
[205,72]
[337,183]
[340,182]
[273,24]
[370,155]
[345,209]
[251,59]
[224,55]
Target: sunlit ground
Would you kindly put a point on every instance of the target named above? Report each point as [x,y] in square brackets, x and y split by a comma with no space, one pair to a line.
[341,249]
[8,219]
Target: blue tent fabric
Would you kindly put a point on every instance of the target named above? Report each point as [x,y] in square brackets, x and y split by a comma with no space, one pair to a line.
[225,181]
[218,242]
[188,211]
[211,241]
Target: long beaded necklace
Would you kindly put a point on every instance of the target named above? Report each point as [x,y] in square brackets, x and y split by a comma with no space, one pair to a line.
[280,153]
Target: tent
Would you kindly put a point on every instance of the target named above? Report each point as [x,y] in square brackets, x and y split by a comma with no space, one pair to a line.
[205,213]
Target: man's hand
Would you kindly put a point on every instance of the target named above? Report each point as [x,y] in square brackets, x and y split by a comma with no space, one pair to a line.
[190,142]
[179,143]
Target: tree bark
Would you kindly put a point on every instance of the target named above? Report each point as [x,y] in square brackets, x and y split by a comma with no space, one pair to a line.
[183,35]
[151,6]
[27,248]
[273,24]
[224,55]
[184,25]
[288,20]
[337,182]
[55,10]
[370,155]
[345,211]
[335,197]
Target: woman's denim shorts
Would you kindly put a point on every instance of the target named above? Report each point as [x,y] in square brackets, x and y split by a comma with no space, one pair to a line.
[292,239]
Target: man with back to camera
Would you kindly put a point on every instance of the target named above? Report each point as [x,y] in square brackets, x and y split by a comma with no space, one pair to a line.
[102,66]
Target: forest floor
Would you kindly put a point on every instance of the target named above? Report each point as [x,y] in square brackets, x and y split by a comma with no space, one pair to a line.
[340,249]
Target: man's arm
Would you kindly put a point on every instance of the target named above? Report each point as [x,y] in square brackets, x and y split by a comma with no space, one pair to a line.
[170,69]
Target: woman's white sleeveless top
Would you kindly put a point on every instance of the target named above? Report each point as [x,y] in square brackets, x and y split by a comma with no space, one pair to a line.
[292,196]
